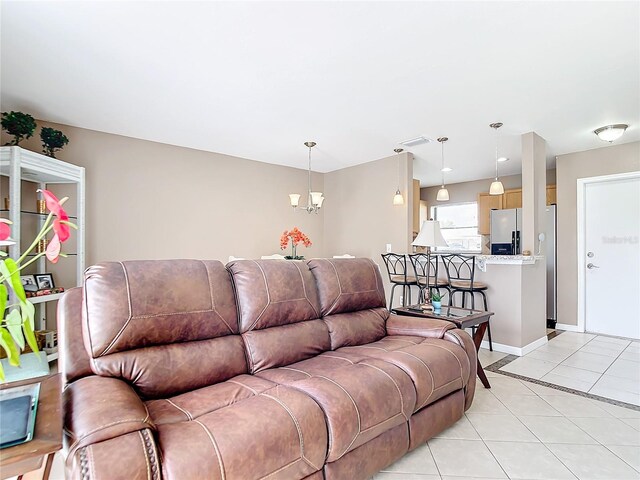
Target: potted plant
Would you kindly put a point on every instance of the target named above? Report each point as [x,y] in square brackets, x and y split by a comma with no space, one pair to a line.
[436,301]
[52,141]
[295,236]
[20,125]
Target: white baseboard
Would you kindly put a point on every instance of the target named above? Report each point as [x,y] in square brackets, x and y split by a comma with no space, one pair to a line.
[519,351]
[568,328]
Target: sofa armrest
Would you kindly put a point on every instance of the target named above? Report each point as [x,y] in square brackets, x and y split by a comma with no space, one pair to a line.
[101,408]
[418,326]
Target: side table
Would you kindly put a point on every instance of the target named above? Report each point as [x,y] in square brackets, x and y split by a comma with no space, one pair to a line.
[47,437]
[462,318]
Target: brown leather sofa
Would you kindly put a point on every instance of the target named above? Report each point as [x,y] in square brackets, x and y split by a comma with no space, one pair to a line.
[185,369]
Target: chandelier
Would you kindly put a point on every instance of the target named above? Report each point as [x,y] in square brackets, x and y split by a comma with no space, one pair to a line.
[314,199]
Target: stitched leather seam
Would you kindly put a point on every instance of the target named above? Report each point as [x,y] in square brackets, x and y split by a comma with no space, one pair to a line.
[102,427]
[84,467]
[433,381]
[381,423]
[339,358]
[297,425]
[435,390]
[454,355]
[281,469]
[243,385]
[296,370]
[153,454]
[215,447]
[266,287]
[354,406]
[170,314]
[461,343]
[213,303]
[304,289]
[126,323]
[394,382]
[330,309]
[86,315]
[146,457]
[183,410]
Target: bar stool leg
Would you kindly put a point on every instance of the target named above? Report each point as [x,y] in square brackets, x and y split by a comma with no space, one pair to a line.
[486,309]
[392,292]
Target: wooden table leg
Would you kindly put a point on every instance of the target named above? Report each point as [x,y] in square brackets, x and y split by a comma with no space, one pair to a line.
[477,340]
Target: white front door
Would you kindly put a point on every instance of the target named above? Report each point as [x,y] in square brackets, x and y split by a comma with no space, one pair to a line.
[612,257]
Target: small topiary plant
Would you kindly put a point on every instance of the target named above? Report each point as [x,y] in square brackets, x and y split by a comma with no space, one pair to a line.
[20,125]
[52,141]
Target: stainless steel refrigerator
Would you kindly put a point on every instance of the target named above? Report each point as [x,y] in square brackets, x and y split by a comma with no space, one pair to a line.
[550,252]
[505,231]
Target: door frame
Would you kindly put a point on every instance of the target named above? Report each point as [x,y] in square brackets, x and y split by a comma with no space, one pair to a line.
[581,250]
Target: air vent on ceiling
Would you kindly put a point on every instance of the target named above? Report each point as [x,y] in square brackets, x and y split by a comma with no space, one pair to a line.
[416,141]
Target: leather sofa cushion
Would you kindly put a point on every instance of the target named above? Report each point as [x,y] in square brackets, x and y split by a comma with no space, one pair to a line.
[273,292]
[196,403]
[436,367]
[135,304]
[279,433]
[266,348]
[357,328]
[347,285]
[160,371]
[361,397]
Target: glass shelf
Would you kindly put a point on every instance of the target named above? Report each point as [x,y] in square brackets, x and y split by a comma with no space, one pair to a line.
[43,215]
[67,254]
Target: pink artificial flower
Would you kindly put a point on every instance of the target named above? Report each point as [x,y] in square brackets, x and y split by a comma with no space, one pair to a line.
[5,230]
[53,249]
[53,204]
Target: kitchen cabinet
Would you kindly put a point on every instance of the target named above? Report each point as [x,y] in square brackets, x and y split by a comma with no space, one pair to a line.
[486,203]
[551,194]
[512,198]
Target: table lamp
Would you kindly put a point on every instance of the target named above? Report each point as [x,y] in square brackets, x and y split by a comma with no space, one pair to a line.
[430,236]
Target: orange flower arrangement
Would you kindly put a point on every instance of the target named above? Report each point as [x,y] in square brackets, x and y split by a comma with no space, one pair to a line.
[295,236]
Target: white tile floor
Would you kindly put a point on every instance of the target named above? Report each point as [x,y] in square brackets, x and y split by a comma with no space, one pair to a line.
[604,366]
[522,430]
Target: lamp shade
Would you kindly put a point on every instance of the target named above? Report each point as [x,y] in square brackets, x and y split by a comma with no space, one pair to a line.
[496,188]
[430,235]
[295,199]
[397,198]
[443,195]
[611,133]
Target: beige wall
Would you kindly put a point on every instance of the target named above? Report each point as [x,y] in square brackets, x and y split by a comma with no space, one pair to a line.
[362,219]
[591,163]
[148,200]
[468,191]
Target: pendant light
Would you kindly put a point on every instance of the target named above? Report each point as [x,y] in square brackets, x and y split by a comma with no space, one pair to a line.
[397,198]
[496,186]
[314,199]
[443,193]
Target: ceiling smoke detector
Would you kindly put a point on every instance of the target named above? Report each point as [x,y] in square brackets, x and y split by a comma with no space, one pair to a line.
[421,140]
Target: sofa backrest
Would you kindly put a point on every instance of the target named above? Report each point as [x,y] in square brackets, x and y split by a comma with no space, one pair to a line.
[165,326]
[278,312]
[352,299]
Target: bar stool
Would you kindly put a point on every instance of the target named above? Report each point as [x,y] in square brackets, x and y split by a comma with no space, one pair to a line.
[398,275]
[461,271]
[425,267]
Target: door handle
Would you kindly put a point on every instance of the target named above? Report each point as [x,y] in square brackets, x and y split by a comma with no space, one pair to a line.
[591,266]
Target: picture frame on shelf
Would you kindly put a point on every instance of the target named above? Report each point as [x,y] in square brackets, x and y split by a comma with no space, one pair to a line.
[29,283]
[45,281]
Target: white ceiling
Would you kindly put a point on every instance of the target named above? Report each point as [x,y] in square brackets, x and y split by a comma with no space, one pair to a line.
[256,80]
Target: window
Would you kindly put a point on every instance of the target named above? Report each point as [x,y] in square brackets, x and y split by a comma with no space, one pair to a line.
[459,226]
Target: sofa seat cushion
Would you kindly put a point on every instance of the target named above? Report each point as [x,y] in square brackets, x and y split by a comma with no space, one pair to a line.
[279,433]
[194,404]
[436,367]
[361,397]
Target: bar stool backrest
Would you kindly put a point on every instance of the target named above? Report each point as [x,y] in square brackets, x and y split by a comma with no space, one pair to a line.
[460,268]
[396,266]
[422,267]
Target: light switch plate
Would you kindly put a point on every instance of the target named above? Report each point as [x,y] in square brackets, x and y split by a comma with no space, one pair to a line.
[388,248]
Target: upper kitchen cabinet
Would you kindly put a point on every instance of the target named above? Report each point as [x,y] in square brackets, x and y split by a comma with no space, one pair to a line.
[512,198]
[551,195]
[486,203]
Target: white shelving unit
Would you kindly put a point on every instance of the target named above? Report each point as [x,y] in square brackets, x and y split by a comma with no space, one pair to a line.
[21,165]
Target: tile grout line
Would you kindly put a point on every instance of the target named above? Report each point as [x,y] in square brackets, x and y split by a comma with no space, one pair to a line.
[532,433]
[618,456]
[433,457]
[485,443]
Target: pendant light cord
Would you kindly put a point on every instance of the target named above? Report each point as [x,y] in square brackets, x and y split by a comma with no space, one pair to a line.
[442,166]
[309,200]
